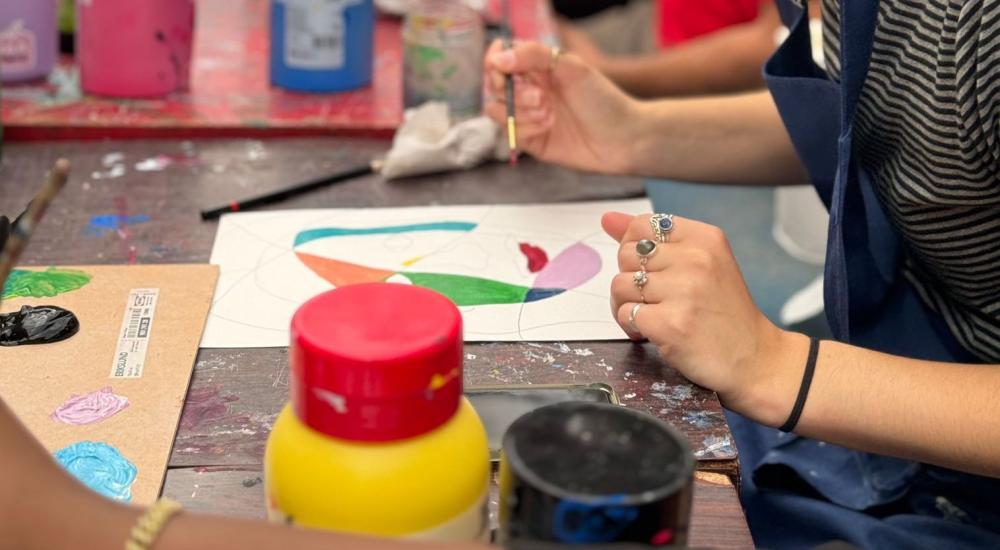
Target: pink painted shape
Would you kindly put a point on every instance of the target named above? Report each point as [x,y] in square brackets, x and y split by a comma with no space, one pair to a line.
[90,407]
[571,268]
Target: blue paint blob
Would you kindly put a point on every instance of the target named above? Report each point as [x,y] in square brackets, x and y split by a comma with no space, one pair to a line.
[537,294]
[100,467]
[109,223]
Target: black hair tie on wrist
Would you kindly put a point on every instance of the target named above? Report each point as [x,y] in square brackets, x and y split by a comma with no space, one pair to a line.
[807,376]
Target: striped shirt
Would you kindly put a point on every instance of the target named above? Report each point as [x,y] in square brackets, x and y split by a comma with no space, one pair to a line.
[927,129]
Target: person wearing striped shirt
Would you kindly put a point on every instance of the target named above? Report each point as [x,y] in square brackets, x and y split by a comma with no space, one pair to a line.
[897,439]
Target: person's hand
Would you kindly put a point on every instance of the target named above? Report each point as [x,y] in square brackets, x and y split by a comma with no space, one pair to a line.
[575,40]
[567,112]
[698,311]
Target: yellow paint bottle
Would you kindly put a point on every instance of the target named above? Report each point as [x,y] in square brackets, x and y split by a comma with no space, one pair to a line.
[378,438]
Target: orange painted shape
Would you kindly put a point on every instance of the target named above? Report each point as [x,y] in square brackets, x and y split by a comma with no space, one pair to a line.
[343,273]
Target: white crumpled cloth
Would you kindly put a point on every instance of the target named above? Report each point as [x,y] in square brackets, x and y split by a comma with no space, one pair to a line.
[427,142]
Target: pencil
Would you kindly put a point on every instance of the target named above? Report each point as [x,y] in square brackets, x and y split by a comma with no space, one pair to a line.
[283,194]
[509,82]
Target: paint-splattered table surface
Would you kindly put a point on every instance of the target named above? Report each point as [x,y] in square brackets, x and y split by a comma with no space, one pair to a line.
[158,187]
[230,92]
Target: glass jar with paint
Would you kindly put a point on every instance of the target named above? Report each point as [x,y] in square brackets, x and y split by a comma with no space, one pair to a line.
[134,48]
[322,45]
[578,473]
[443,48]
[378,438]
[28,39]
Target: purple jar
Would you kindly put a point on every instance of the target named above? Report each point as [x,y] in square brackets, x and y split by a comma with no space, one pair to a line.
[28,39]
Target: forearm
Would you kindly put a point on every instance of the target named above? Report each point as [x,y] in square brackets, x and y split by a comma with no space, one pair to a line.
[729,139]
[940,413]
[726,61]
[42,507]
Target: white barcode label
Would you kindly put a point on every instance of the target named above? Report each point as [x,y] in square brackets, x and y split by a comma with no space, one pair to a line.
[314,33]
[133,339]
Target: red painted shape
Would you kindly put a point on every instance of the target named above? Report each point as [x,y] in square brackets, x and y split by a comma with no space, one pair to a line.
[537,258]
[343,273]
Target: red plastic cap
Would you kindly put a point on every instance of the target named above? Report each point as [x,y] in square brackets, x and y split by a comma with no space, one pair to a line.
[376,362]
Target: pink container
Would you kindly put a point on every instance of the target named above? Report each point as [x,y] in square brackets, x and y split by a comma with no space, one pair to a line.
[134,48]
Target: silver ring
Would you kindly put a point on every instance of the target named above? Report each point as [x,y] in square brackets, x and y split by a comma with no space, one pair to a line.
[555,53]
[662,225]
[631,318]
[640,278]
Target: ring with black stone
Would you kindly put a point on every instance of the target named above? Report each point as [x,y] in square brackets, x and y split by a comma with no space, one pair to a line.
[645,249]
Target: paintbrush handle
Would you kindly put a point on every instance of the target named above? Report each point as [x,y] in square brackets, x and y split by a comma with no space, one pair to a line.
[276,196]
[25,226]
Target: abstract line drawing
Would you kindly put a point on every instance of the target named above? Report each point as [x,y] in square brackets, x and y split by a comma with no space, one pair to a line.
[518,273]
[574,266]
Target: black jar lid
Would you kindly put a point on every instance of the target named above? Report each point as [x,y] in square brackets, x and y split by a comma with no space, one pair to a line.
[598,453]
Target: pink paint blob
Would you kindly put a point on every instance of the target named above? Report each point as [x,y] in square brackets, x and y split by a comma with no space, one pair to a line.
[90,407]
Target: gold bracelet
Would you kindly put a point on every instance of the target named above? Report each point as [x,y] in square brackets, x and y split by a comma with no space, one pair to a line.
[151,523]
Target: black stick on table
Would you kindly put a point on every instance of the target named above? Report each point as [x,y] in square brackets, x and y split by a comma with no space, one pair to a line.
[283,194]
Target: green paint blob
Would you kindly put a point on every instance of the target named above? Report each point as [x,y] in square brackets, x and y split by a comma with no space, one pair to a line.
[43,284]
[469,291]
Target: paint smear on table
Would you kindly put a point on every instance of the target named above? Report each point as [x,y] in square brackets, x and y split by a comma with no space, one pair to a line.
[100,467]
[715,446]
[33,325]
[205,404]
[43,284]
[90,407]
[113,223]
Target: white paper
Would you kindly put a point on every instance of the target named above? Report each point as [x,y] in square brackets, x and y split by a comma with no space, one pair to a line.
[265,277]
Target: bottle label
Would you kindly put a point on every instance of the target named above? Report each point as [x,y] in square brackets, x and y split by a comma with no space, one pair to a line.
[314,33]
[17,48]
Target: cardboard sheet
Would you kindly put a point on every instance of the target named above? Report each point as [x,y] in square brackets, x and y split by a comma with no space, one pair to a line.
[107,401]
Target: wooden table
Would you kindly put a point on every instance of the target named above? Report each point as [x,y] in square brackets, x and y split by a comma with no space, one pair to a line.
[236,394]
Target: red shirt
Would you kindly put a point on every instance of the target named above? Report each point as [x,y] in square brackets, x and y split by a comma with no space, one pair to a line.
[682,20]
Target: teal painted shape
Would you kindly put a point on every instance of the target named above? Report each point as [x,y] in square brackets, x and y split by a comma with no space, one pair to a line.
[324,232]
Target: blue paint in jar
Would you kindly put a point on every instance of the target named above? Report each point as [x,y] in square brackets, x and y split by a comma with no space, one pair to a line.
[322,45]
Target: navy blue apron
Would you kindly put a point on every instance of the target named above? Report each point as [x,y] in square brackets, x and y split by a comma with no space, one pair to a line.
[798,492]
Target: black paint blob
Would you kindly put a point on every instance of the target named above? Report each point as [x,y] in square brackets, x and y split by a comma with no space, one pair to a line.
[37,325]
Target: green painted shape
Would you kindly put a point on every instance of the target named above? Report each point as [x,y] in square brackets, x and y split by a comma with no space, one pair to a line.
[469,291]
[43,284]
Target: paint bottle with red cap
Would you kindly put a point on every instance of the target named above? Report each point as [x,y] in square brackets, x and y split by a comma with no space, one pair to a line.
[378,438]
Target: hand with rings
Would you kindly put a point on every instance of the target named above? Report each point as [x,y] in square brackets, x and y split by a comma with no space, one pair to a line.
[567,111]
[682,289]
